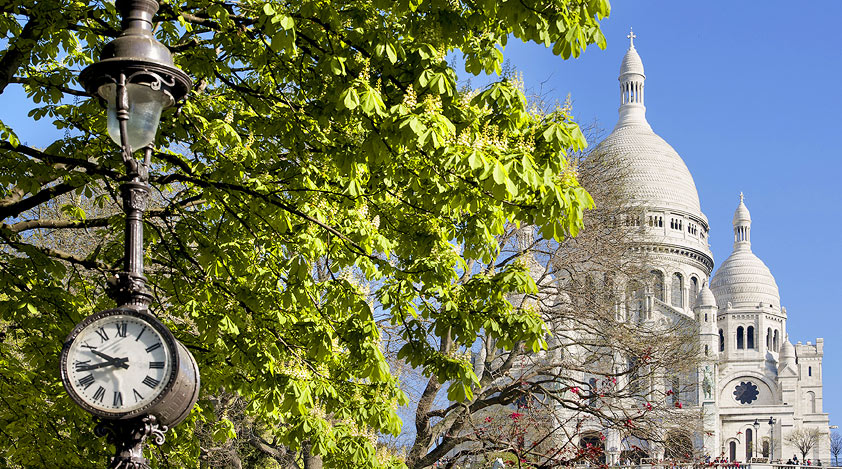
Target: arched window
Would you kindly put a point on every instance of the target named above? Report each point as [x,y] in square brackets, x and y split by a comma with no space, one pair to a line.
[765,447]
[750,337]
[590,292]
[707,352]
[809,371]
[740,337]
[769,339]
[633,295]
[593,391]
[658,284]
[775,344]
[721,341]
[749,441]
[811,401]
[694,282]
[677,291]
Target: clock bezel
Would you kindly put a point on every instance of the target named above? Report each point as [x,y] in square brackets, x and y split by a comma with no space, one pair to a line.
[153,322]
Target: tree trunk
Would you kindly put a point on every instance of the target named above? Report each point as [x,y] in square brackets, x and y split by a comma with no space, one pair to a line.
[311,461]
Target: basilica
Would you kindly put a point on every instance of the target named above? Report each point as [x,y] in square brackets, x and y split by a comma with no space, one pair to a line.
[755,386]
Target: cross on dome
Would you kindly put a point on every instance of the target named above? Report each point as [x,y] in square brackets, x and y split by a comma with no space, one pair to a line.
[741,196]
[631,37]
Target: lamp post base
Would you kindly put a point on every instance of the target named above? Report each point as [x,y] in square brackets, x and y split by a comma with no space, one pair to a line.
[129,436]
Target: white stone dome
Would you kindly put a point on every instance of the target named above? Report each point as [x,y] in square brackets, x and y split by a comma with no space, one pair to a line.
[743,279]
[655,181]
[655,174]
[787,350]
[705,297]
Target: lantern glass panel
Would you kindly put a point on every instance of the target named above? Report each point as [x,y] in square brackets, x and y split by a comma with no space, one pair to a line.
[145,106]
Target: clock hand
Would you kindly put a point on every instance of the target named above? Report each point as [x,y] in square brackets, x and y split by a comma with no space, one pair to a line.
[121,362]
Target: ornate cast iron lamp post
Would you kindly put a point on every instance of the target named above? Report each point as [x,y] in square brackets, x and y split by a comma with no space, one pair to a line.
[771,439]
[755,438]
[123,365]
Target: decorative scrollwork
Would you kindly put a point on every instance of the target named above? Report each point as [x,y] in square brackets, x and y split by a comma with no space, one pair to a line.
[154,80]
[128,437]
[137,199]
[127,289]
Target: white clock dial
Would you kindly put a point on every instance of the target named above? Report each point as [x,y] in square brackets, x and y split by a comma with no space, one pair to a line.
[118,363]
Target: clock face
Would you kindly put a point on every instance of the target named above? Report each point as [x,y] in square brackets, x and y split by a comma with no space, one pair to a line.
[118,363]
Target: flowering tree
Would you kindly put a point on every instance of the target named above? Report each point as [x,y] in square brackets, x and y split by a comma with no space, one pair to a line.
[321,138]
[608,377]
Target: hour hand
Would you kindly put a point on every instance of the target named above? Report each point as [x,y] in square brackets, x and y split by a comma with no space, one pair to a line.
[121,362]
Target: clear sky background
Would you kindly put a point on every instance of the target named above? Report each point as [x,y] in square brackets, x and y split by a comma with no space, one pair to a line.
[749,95]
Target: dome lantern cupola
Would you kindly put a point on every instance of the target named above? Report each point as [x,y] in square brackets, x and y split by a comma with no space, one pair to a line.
[632,110]
[742,226]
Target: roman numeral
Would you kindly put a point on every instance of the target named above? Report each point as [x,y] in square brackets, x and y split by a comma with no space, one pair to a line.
[158,365]
[99,394]
[121,329]
[137,396]
[153,347]
[88,346]
[102,334]
[118,399]
[141,333]
[81,364]
[150,381]
[86,381]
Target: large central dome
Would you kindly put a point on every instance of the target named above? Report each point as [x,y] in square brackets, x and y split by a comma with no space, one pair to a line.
[655,175]
[654,180]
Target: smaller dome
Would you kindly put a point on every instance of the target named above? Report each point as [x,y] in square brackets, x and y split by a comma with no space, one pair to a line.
[631,63]
[705,297]
[743,279]
[787,350]
[787,356]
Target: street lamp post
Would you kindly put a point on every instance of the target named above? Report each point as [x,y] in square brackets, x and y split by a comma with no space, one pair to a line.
[771,439]
[756,437]
[123,365]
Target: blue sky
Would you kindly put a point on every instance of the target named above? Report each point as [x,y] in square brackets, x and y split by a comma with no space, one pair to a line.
[748,94]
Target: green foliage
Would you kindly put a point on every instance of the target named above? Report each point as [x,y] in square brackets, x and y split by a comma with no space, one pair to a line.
[316,180]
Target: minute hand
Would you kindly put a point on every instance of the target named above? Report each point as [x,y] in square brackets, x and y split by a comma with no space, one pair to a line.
[121,362]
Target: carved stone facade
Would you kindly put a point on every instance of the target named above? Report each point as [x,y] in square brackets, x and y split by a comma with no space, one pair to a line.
[751,372]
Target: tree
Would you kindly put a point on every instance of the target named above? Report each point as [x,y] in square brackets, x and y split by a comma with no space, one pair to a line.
[323,142]
[606,368]
[836,445]
[804,440]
